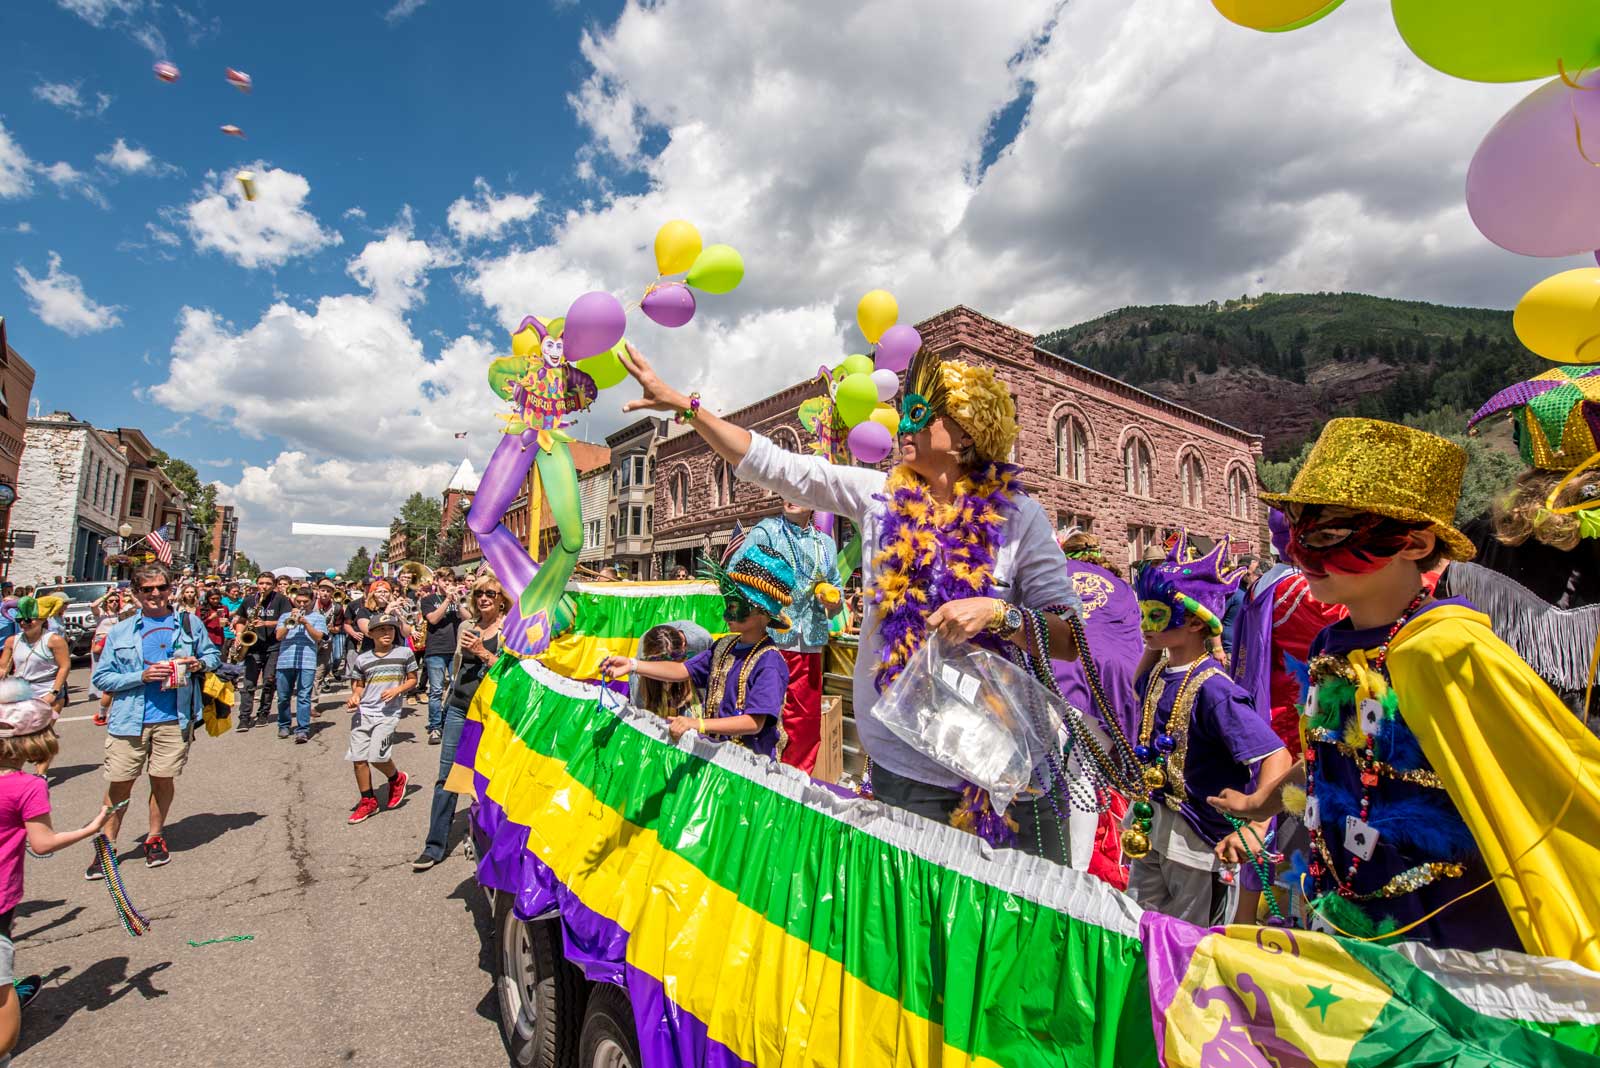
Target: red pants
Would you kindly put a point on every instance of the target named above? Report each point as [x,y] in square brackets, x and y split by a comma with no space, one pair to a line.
[802,709]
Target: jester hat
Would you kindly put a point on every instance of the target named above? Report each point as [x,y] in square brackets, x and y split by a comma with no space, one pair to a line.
[37,607]
[759,576]
[1182,585]
[978,401]
[1555,416]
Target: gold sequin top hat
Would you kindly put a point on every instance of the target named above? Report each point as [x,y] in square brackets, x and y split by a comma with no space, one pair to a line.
[1386,469]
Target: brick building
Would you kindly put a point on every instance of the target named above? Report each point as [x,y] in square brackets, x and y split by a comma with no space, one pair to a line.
[586,457]
[1099,454]
[16,390]
[224,539]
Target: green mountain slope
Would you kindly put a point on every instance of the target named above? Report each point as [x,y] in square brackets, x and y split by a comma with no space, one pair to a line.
[1281,364]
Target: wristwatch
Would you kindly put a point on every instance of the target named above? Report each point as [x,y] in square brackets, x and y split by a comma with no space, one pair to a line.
[1006,622]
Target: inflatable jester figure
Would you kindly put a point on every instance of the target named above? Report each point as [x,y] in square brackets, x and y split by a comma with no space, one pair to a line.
[543,390]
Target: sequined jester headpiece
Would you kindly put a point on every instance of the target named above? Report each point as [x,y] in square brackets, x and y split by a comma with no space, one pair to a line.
[758,578]
[1179,587]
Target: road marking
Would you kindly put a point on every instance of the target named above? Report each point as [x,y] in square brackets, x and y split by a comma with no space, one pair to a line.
[72,719]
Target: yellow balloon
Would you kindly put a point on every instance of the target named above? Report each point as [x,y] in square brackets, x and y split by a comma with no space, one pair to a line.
[1274,16]
[525,343]
[1560,317]
[890,419]
[876,313]
[677,247]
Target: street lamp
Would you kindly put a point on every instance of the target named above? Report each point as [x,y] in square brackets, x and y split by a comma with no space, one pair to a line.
[126,530]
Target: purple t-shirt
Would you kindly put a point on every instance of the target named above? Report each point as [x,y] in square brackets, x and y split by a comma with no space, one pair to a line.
[769,682]
[1226,737]
[23,797]
[1111,625]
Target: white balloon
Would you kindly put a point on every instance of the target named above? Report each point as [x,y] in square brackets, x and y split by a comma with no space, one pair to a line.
[888,384]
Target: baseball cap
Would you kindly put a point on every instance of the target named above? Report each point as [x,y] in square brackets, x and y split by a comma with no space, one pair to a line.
[25,717]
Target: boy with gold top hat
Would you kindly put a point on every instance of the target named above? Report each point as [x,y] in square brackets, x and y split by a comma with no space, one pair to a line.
[1449,796]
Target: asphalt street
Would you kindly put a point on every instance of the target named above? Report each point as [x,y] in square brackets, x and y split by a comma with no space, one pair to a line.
[354,958]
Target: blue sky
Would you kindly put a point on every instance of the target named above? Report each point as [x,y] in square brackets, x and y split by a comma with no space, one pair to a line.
[432,171]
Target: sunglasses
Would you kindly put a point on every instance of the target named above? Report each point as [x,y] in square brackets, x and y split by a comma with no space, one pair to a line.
[486,593]
[163,588]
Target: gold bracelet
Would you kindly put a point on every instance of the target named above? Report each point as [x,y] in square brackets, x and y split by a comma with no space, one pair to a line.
[997,620]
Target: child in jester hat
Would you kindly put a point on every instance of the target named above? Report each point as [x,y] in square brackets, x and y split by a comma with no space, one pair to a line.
[1449,796]
[1198,734]
[743,677]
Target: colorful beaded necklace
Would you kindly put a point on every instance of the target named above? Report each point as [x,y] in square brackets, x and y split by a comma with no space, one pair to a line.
[1368,765]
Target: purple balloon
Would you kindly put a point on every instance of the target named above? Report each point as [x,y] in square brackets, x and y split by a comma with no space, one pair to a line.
[896,347]
[870,442]
[1529,189]
[595,323]
[670,305]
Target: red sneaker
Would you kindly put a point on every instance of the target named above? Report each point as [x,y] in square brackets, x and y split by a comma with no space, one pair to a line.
[100,718]
[397,790]
[365,810]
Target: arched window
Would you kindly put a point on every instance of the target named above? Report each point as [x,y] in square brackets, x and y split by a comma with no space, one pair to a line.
[1072,449]
[678,492]
[1239,493]
[1136,466]
[649,518]
[1192,479]
[786,439]
[721,483]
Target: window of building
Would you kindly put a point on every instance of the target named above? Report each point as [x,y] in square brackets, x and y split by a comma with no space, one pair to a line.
[136,500]
[1239,493]
[1140,538]
[1072,449]
[613,528]
[649,518]
[1083,524]
[5,401]
[1192,480]
[678,492]
[1136,467]
[635,521]
[637,463]
[116,494]
[624,475]
[722,483]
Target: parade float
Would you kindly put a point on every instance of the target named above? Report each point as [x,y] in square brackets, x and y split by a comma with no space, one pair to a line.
[689,903]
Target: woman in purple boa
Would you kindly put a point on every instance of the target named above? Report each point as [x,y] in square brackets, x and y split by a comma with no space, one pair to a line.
[953,546]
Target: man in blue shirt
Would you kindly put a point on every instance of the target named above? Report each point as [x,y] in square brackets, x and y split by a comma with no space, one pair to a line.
[814,559]
[151,666]
[299,633]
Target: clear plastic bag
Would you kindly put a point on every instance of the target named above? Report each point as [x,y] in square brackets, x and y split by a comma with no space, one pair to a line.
[976,713]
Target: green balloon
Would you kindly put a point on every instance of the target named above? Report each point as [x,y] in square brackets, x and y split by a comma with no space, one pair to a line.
[1501,41]
[606,369]
[853,365]
[857,396]
[718,269]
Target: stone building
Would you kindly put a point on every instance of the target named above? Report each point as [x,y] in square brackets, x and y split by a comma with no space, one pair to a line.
[69,500]
[586,457]
[1099,454]
[16,391]
[630,541]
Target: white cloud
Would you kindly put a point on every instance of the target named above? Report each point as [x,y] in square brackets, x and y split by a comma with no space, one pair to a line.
[488,216]
[265,232]
[162,236]
[395,268]
[355,213]
[402,10]
[24,227]
[96,12]
[68,179]
[16,168]
[130,159]
[69,98]
[58,300]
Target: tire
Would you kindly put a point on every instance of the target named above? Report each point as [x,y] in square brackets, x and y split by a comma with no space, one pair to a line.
[540,994]
[609,1040]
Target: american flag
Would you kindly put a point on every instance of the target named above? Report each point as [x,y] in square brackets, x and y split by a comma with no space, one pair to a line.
[161,545]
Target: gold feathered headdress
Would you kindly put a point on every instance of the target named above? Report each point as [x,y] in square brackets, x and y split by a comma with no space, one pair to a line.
[978,401]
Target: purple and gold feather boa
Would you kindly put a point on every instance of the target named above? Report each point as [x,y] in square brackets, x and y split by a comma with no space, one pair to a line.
[918,533]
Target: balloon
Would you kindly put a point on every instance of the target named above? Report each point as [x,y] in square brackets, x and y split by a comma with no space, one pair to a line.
[167,72]
[853,365]
[238,79]
[668,305]
[719,269]
[1274,16]
[876,313]
[1496,41]
[1529,189]
[247,182]
[856,398]
[677,245]
[888,384]
[606,369]
[885,416]
[1560,317]
[870,443]
[231,130]
[897,346]
[594,323]
[331,573]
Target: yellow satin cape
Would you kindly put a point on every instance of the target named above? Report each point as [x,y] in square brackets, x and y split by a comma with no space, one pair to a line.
[1522,770]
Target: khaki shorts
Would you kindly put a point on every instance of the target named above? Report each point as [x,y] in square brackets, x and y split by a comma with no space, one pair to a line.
[160,749]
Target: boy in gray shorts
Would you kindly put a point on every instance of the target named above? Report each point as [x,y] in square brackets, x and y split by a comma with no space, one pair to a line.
[383,677]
